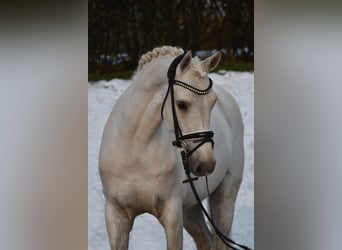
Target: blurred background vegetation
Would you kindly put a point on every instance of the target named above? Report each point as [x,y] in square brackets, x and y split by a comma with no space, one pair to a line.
[120,31]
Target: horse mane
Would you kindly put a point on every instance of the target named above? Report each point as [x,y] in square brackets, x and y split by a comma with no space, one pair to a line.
[157,52]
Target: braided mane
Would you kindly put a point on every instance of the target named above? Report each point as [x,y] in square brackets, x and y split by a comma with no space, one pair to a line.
[156,52]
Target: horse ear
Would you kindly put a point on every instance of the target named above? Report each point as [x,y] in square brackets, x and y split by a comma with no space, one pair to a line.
[186,61]
[212,61]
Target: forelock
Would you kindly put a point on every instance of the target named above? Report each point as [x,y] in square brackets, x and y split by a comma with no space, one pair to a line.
[198,67]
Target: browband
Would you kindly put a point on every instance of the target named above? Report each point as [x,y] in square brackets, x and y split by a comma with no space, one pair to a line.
[193,89]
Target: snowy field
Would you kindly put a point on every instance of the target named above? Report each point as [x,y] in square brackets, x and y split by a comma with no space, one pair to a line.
[147,233]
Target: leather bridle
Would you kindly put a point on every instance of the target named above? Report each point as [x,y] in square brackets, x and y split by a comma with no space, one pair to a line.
[200,137]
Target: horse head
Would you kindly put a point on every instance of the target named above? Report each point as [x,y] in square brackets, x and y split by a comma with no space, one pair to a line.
[188,113]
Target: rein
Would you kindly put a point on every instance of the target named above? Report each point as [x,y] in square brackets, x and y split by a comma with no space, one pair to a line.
[201,137]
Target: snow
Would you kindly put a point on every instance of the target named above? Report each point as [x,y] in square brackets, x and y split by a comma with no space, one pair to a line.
[147,233]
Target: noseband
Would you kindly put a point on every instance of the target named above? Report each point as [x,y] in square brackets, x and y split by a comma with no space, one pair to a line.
[200,137]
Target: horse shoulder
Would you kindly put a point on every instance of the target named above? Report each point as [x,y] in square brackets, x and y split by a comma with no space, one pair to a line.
[228,106]
[229,130]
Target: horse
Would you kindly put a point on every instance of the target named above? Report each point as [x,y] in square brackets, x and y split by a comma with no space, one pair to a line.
[142,171]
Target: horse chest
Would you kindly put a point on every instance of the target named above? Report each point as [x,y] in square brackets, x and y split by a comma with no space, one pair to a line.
[142,187]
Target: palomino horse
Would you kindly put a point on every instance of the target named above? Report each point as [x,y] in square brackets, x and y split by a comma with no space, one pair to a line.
[142,171]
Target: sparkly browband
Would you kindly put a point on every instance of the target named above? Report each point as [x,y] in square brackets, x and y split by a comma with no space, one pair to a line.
[193,89]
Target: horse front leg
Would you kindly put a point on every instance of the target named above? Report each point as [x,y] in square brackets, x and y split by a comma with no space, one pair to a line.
[196,226]
[224,197]
[222,205]
[172,220]
[119,224]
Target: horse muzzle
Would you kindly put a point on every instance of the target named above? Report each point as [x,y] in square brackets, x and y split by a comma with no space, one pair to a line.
[203,168]
[197,154]
[202,162]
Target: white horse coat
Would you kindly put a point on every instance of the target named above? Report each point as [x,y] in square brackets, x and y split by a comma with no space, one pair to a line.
[141,171]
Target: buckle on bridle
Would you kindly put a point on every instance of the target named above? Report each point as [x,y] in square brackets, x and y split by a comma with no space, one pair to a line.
[180,144]
[184,155]
[186,167]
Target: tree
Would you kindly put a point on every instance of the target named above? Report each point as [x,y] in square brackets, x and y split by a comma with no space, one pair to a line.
[134,27]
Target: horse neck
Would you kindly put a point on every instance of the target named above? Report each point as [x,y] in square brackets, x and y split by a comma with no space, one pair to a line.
[144,107]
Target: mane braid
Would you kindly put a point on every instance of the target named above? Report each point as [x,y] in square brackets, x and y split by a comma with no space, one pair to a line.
[156,52]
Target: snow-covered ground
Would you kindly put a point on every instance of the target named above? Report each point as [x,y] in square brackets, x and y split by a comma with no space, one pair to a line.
[147,233]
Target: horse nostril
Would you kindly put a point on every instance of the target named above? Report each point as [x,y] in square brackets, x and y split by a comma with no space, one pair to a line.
[198,170]
[212,167]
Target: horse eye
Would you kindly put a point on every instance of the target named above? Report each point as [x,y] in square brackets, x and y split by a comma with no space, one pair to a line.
[182,105]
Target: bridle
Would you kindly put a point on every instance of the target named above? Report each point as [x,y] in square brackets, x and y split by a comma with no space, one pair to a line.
[200,137]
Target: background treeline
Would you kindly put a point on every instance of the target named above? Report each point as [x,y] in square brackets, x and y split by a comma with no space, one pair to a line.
[120,31]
